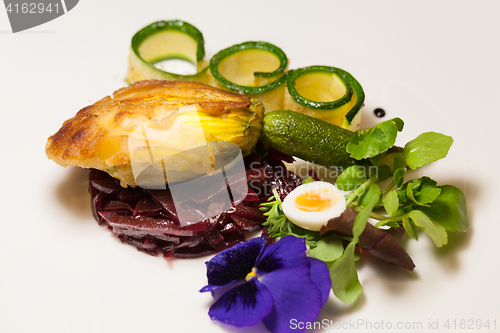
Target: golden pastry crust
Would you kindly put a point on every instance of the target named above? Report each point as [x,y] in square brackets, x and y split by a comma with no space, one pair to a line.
[97,136]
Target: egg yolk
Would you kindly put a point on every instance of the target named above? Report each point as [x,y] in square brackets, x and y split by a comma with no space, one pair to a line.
[316,201]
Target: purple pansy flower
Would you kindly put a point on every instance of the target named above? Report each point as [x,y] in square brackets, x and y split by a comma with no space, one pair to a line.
[274,284]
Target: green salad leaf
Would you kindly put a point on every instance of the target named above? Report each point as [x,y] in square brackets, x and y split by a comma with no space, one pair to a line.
[391,203]
[328,249]
[387,223]
[371,197]
[343,271]
[399,123]
[426,148]
[434,230]
[449,209]
[423,192]
[409,228]
[351,177]
[367,143]
[399,176]
[426,195]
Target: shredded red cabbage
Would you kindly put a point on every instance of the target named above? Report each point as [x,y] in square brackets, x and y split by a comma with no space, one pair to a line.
[147,219]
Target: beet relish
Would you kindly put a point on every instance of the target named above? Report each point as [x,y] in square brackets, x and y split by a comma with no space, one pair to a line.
[147,219]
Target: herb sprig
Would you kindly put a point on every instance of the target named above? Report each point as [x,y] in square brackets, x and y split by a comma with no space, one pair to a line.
[280,226]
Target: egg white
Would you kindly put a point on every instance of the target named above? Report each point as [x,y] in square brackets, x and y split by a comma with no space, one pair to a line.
[313,220]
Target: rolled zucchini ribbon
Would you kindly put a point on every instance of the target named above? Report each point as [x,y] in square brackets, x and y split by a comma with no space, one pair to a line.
[327,93]
[165,40]
[257,69]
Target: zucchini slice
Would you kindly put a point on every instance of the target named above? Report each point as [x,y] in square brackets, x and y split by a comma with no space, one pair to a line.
[164,40]
[327,93]
[256,69]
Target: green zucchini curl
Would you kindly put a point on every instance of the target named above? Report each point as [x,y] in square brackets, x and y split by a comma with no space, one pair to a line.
[256,69]
[327,93]
[165,40]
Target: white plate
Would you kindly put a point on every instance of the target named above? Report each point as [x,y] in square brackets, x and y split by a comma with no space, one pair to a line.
[434,64]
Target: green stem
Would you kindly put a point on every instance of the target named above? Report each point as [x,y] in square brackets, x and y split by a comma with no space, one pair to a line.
[360,190]
[381,217]
[346,238]
[388,188]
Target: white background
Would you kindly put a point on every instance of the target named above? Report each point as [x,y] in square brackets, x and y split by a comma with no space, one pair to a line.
[435,64]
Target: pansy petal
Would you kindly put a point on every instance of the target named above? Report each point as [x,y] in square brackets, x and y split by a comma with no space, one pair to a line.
[320,275]
[245,305]
[289,251]
[295,297]
[213,287]
[234,263]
